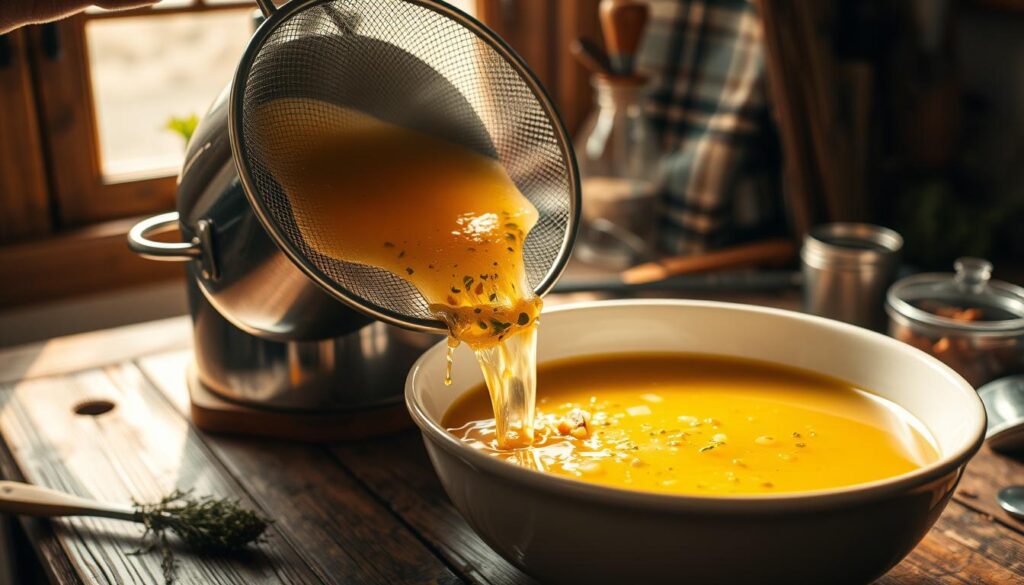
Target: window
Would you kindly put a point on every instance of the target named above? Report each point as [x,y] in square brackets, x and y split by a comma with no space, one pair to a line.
[109,84]
[147,71]
[85,105]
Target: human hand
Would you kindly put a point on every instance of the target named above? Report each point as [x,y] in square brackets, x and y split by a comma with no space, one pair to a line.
[18,13]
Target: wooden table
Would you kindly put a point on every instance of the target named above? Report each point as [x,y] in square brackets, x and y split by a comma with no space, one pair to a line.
[366,512]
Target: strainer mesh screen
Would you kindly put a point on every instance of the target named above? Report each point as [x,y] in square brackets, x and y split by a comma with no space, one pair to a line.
[407,64]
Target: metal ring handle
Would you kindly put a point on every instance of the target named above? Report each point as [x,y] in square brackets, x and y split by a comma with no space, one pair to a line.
[166,251]
[267,7]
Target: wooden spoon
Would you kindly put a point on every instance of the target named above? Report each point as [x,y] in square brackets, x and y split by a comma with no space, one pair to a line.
[773,252]
[591,55]
[31,500]
[623,23]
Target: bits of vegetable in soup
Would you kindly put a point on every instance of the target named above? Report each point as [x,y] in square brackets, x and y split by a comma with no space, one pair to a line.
[703,425]
[446,219]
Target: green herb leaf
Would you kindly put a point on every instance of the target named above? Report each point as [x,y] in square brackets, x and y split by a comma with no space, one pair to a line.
[499,326]
[184,126]
[711,445]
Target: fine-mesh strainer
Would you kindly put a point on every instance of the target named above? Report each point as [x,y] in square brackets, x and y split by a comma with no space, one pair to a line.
[421,64]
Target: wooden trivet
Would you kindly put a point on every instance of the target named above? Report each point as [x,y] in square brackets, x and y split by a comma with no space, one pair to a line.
[214,414]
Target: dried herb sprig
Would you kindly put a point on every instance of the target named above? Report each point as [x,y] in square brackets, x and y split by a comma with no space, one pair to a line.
[205,524]
[711,445]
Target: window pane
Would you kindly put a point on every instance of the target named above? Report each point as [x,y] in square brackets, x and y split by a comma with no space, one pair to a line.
[149,69]
[158,5]
[467,6]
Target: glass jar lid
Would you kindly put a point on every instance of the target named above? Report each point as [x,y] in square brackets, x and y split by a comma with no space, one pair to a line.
[967,301]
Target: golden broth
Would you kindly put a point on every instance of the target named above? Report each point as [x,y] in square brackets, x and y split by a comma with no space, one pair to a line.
[444,218]
[703,425]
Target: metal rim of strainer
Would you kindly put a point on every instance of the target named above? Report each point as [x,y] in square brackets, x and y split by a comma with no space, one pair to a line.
[275,17]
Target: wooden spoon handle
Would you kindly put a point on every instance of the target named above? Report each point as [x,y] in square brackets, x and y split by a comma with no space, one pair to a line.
[622,23]
[591,55]
[31,500]
[767,253]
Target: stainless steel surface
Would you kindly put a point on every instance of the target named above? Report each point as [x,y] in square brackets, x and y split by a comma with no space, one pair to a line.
[200,247]
[419,64]
[265,334]
[362,369]
[1004,405]
[981,349]
[253,284]
[1011,499]
[847,269]
[139,242]
[267,7]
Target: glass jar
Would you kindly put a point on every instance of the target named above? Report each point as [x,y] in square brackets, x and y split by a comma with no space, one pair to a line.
[973,324]
[619,174]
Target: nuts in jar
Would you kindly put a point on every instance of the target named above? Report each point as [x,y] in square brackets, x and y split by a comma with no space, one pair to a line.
[973,324]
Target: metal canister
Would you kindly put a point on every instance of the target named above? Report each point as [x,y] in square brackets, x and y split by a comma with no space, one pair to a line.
[847,269]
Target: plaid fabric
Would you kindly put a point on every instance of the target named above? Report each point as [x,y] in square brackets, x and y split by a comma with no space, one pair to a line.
[708,102]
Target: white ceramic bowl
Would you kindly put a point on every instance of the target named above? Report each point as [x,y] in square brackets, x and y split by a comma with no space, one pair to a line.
[560,530]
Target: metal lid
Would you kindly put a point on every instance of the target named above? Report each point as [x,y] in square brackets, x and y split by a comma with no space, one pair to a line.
[850,245]
[966,301]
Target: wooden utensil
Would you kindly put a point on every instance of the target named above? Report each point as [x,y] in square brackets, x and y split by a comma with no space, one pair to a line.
[622,23]
[591,55]
[773,252]
[32,500]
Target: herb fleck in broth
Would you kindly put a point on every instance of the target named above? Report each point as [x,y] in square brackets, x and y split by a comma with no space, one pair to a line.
[702,425]
[448,220]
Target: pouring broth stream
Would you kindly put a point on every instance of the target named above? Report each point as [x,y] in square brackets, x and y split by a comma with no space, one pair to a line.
[448,220]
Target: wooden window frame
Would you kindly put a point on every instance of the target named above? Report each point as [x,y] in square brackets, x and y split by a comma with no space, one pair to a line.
[80,192]
[24,206]
[82,195]
[63,225]
[541,32]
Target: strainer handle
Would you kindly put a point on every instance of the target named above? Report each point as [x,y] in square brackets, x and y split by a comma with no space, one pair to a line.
[267,7]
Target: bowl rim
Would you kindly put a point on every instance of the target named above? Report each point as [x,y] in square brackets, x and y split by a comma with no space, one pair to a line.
[769,503]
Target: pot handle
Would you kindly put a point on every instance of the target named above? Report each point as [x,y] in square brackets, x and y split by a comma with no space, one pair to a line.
[166,251]
[200,247]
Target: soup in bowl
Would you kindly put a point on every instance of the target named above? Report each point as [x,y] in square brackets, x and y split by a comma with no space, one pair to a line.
[705,442]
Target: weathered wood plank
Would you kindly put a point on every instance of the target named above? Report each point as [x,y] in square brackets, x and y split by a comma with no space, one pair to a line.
[341,529]
[75,353]
[139,450]
[41,534]
[986,474]
[963,547]
[398,471]
[87,260]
